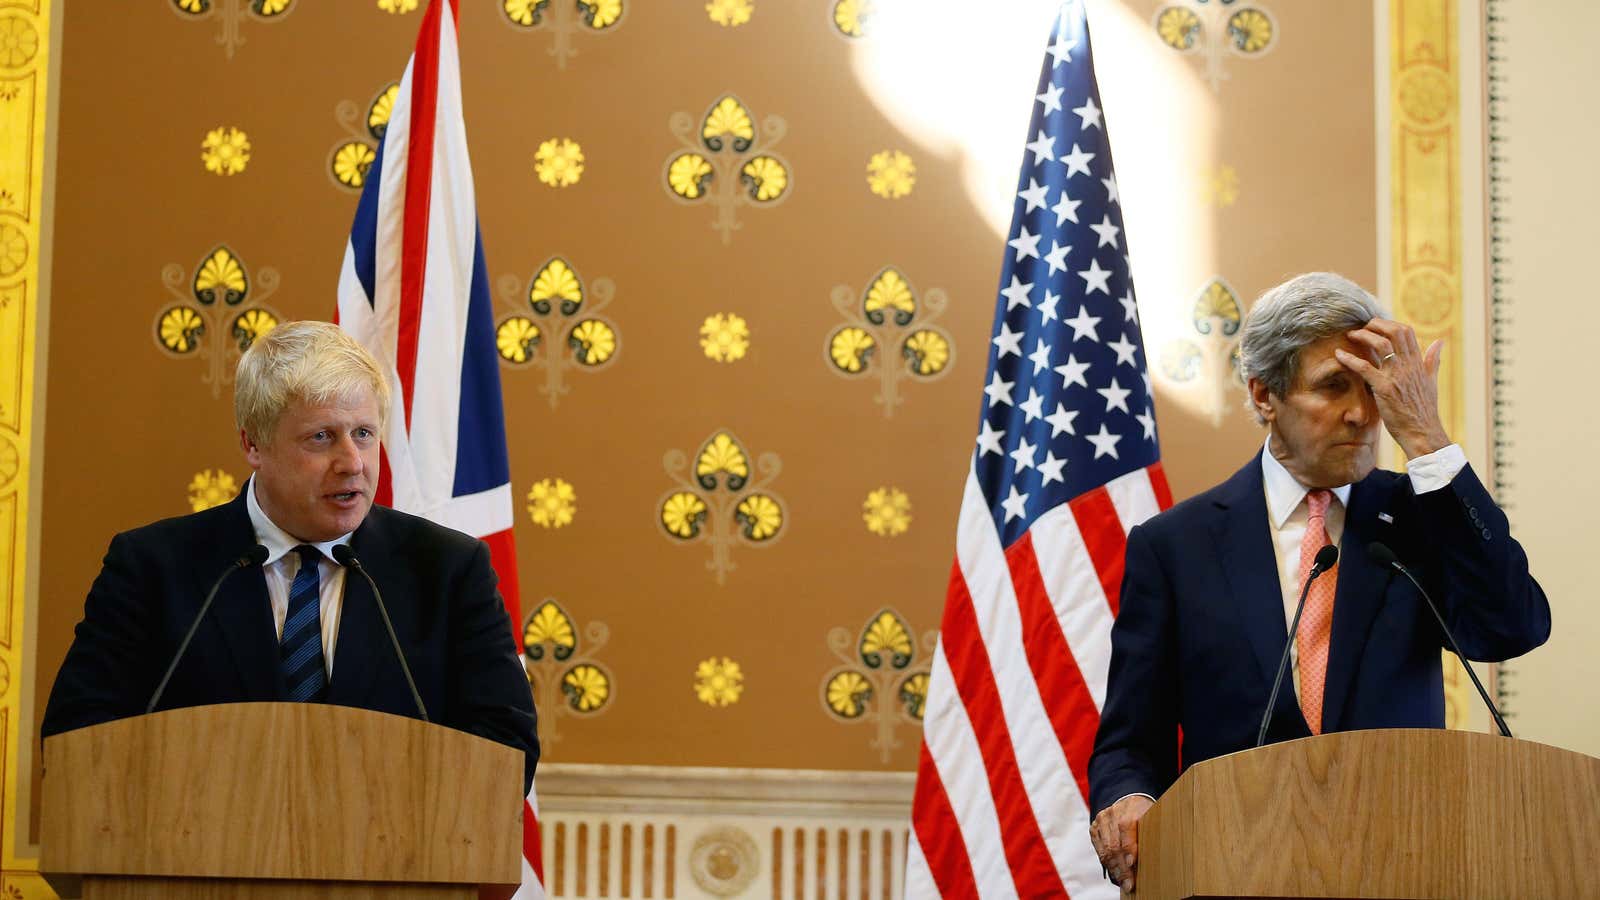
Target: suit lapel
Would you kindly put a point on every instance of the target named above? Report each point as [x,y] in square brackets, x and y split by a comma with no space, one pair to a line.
[1359,597]
[361,633]
[1245,546]
[242,610]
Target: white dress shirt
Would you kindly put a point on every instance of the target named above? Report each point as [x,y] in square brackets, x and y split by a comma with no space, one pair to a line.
[1288,514]
[283,563]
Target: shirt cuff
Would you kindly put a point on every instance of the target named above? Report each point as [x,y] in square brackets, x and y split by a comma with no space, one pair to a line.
[1134,794]
[1433,471]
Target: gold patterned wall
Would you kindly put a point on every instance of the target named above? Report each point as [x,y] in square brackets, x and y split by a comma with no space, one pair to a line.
[742,310]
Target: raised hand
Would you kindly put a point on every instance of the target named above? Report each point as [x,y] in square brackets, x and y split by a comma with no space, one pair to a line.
[1404,382]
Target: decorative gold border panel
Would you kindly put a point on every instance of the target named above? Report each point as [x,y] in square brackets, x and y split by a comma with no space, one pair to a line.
[1426,223]
[1424,92]
[25,80]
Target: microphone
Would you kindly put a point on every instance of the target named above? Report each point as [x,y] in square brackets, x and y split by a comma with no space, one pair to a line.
[255,557]
[344,556]
[1326,558]
[1383,556]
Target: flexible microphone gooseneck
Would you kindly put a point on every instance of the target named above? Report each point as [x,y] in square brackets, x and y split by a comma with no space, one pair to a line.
[256,556]
[344,556]
[1326,558]
[1383,556]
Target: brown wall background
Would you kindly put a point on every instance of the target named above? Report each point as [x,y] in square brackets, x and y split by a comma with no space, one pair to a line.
[128,427]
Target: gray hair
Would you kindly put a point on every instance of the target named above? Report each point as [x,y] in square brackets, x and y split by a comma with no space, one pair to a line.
[309,362]
[1288,318]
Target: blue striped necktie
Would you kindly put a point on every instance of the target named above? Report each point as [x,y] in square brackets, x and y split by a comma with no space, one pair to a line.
[300,649]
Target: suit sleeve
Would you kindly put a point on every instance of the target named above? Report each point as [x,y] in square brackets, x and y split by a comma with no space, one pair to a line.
[489,690]
[107,673]
[1136,747]
[1480,573]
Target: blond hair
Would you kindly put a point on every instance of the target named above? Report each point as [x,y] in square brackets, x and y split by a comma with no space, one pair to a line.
[308,362]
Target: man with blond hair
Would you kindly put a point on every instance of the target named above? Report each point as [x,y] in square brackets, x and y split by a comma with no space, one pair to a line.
[1212,584]
[294,623]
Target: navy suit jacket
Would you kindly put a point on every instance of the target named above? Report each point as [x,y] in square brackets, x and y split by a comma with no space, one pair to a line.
[437,584]
[1201,626]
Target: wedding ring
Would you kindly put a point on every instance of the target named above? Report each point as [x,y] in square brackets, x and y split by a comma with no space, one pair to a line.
[1386,359]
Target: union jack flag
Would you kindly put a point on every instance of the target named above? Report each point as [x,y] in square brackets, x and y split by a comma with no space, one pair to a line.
[1066,463]
[413,290]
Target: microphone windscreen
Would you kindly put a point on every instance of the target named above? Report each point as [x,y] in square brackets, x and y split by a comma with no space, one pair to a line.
[256,556]
[1380,553]
[343,555]
[1326,557]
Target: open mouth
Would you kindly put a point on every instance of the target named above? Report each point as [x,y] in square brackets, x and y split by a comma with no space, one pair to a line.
[345,497]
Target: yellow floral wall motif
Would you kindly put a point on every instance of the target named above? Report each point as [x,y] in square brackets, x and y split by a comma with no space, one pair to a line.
[218,313]
[891,174]
[880,678]
[1209,361]
[1221,188]
[851,17]
[718,682]
[559,162]
[1216,30]
[720,501]
[730,13]
[352,157]
[233,14]
[211,487]
[888,318]
[887,512]
[567,678]
[397,7]
[564,19]
[225,151]
[727,162]
[552,503]
[724,337]
[560,328]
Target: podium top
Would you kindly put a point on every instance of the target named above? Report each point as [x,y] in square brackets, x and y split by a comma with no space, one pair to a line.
[282,790]
[1395,813]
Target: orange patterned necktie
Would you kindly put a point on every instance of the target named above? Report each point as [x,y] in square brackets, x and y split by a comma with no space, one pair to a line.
[1316,623]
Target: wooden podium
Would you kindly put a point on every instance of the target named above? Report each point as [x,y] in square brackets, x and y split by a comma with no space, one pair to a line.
[280,800]
[1403,813]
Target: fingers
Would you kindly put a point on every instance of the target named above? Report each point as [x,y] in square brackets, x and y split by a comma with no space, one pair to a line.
[1434,357]
[1381,345]
[1356,364]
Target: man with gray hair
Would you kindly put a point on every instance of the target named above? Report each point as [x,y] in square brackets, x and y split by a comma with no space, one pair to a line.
[310,404]
[1212,584]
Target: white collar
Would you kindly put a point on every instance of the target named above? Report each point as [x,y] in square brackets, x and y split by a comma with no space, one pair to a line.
[280,543]
[1284,491]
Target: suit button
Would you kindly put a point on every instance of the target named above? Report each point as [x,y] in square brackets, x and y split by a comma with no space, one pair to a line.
[1487,535]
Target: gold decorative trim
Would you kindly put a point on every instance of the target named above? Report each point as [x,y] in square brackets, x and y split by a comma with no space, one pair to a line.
[1425,243]
[25,60]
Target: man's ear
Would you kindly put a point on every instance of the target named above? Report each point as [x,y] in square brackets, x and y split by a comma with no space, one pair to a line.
[252,452]
[1261,399]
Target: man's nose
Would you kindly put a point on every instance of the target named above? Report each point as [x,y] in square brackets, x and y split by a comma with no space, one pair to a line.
[1362,411]
[348,456]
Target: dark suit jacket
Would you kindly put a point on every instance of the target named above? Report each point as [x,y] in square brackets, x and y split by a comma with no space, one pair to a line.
[437,584]
[1201,625]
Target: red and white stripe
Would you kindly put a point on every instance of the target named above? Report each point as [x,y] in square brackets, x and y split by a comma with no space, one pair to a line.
[1014,699]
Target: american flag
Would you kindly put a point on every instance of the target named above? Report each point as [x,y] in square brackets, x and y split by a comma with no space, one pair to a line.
[1066,463]
[413,290]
